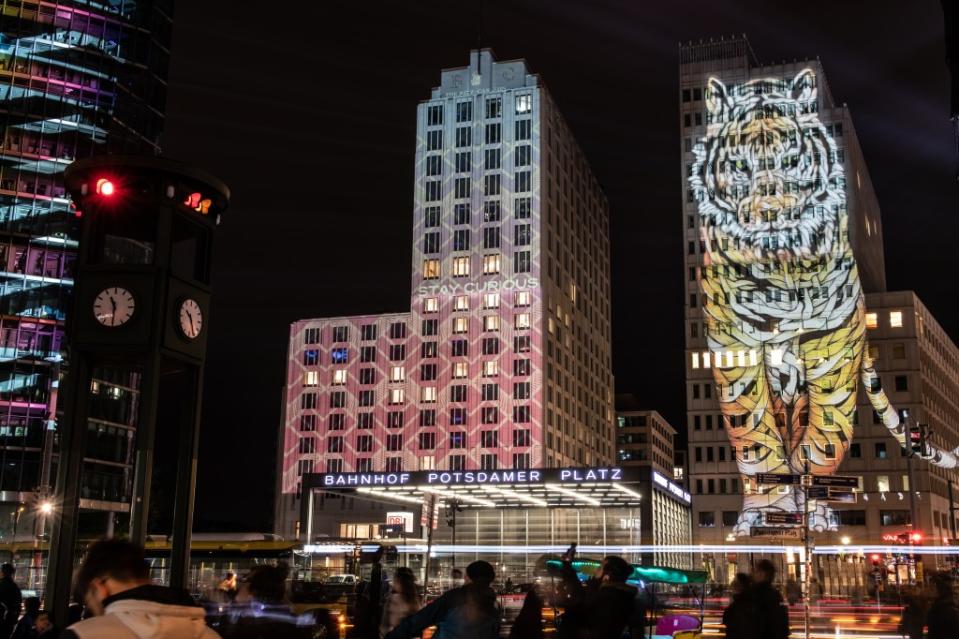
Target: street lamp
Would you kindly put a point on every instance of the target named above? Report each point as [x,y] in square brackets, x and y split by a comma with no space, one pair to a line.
[45,508]
[845,540]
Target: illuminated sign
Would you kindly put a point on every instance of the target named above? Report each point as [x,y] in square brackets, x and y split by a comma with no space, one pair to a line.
[472,477]
[674,489]
[402,519]
[478,287]
[782,299]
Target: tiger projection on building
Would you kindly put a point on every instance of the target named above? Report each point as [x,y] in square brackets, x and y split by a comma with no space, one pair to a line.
[784,309]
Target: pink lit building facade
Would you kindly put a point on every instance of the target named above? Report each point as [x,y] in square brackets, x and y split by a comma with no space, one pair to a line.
[503,360]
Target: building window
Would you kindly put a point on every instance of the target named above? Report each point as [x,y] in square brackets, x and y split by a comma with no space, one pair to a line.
[521,437]
[431,305]
[523,182]
[461,303]
[457,462]
[491,211]
[521,414]
[494,133]
[464,136]
[364,464]
[524,130]
[461,213]
[521,367]
[491,264]
[707,519]
[871,320]
[490,368]
[434,115]
[457,416]
[428,417]
[522,298]
[521,262]
[431,217]
[522,321]
[489,439]
[307,445]
[461,324]
[855,450]
[464,111]
[488,462]
[522,208]
[397,396]
[339,355]
[494,107]
[428,394]
[364,421]
[491,322]
[434,190]
[430,327]
[368,332]
[457,439]
[520,460]
[366,398]
[434,165]
[489,415]
[522,234]
[490,300]
[334,465]
[334,444]
[460,370]
[311,378]
[307,422]
[367,376]
[492,159]
[882,483]
[427,441]
[830,451]
[523,155]
[461,266]
[461,189]
[394,442]
[901,383]
[521,390]
[490,392]
[491,184]
[364,443]
[397,330]
[894,518]
[311,336]
[428,349]
[524,103]
[434,140]
[337,399]
[881,450]
[458,393]
[397,374]
[490,346]
[459,348]
[431,269]
[730,518]
[491,237]
[463,162]
[895,319]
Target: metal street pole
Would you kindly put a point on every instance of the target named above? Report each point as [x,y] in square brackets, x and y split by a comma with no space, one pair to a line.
[807,559]
[431,511]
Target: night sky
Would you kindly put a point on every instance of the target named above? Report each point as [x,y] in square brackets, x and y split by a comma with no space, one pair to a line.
[307,111]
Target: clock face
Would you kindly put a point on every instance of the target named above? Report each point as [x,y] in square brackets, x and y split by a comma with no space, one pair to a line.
[191,319]
[114,306]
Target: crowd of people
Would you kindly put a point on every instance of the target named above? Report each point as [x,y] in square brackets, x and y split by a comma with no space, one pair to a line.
[115,598]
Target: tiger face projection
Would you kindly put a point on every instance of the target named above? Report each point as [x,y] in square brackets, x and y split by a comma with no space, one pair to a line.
[783,305]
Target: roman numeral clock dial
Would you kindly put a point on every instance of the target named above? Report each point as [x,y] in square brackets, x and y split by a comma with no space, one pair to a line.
[114,306]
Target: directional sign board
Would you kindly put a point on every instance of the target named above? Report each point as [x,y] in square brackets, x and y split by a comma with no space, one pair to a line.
[772,531]
[837,482]
[826,493]
[778,479]
[791,519]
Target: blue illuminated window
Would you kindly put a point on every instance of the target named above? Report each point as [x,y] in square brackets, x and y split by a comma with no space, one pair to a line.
[339,355]
[311,357]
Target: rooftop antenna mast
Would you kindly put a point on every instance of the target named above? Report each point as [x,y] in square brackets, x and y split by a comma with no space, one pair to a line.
[479,31]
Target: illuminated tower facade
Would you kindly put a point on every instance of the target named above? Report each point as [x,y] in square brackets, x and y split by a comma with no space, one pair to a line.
[76,79]
[503,360]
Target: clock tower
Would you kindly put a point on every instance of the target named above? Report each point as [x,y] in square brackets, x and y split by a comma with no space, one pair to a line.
[137,331]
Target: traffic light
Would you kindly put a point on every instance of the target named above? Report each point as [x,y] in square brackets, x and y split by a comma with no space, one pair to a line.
[875,560]
[915,537]
[916,439]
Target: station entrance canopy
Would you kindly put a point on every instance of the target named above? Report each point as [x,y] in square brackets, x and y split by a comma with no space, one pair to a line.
[609,487]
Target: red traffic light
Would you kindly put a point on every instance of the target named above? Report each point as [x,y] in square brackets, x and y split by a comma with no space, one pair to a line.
[105,187]
[875,559]
[915,537]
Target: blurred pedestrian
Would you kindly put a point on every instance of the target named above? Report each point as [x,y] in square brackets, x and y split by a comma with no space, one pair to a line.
[228,586]
[44,626]
[10,599]
[601,609]
[529,621]
[114,581]
[913,614]
[739,618]
[793,592]
[403,601]
[262,610]
[25,627]
[772,617]
[943,617]
[468,612]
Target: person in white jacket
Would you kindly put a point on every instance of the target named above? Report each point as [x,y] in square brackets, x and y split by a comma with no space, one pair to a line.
[114,582]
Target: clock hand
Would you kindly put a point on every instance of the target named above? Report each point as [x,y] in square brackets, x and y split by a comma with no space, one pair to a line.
[113,314]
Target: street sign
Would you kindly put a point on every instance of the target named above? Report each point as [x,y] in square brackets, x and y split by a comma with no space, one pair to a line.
[791,519]
[826,493]
[778,479]
[772,531]
[833,480]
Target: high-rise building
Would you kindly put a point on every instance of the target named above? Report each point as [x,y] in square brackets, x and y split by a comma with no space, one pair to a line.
[76,79]
[770,108]
[503,360]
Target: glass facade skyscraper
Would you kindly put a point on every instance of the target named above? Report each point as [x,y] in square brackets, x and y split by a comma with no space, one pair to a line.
[77,78]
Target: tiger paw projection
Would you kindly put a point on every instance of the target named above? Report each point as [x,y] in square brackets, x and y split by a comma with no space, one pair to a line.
[784,309]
